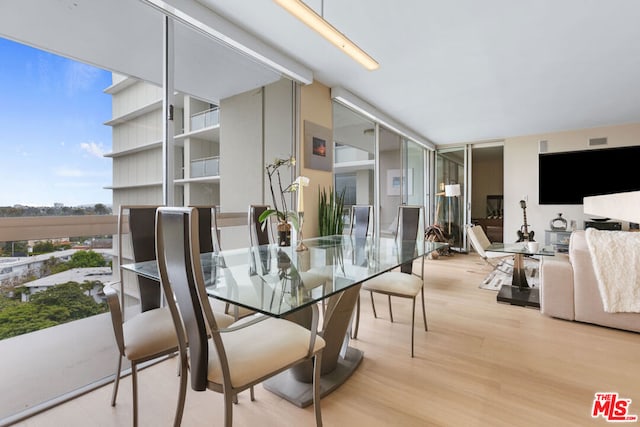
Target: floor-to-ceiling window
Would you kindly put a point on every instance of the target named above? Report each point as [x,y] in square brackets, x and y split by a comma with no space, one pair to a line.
[52,168]
[450,194]
[354,154]
[378,166]
[415,159]
[392,179]
[125,38]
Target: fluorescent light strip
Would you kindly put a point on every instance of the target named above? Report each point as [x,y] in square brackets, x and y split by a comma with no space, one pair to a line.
[316,22]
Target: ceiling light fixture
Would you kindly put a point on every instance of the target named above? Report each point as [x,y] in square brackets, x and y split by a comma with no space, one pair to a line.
[316,22]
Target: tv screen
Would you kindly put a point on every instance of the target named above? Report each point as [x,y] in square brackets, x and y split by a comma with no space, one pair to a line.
[566,178]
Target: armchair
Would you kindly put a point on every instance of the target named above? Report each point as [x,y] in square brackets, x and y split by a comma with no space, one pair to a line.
[480,241]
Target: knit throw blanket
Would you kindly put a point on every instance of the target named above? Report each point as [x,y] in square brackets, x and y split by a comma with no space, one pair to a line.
[616,260]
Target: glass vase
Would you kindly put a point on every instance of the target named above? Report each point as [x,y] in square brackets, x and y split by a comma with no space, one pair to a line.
[284,233]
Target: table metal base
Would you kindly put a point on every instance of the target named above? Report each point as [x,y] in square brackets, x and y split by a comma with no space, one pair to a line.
[524,297]
[301,393]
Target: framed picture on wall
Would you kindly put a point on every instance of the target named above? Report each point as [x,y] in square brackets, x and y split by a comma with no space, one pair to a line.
[318,147]
[394,182]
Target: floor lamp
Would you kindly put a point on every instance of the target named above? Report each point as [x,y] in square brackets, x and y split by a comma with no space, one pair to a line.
[451,191]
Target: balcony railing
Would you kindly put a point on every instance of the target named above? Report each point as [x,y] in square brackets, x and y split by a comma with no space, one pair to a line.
[205,119]
[76,356]
[209,166]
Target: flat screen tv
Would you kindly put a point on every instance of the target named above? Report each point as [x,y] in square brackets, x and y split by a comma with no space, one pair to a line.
[566,178]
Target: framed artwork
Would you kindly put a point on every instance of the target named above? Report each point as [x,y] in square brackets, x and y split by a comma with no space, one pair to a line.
[394,182]
[318,147]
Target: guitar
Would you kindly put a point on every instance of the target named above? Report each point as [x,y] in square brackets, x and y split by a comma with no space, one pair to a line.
[523,234]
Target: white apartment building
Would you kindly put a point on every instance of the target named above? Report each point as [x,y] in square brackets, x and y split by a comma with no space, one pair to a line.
[219,147]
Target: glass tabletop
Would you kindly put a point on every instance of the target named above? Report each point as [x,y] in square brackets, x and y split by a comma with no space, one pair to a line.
[520,248]
[278,280]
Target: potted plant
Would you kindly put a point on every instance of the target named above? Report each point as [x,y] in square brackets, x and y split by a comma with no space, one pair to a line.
[285,217]
[330,209]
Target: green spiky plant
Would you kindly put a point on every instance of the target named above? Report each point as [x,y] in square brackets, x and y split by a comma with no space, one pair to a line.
[330,207]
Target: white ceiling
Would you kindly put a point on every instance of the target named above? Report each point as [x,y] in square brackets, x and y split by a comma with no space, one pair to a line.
[452,71]
[469,70]
[125,36]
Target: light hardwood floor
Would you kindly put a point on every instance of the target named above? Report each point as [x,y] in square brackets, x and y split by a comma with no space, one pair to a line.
[480,364]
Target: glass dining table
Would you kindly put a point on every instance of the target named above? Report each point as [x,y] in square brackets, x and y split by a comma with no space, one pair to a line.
[282,282]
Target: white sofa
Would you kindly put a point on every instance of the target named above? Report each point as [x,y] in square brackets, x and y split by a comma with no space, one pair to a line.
[569,289]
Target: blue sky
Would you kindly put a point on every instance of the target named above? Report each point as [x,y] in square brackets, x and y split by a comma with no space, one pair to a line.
[52,136]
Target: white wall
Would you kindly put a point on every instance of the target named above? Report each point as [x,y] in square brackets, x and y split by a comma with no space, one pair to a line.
[255,127]
[521,175]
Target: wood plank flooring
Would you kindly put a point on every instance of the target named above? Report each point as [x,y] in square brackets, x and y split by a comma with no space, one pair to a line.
[480,364]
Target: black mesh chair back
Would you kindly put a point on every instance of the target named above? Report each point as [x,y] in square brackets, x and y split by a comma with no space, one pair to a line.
[143,241]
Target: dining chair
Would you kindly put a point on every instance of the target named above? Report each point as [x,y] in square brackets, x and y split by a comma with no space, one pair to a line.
[210,242]
[208,231]
[403,282]
[259,234]
[480,242]
[149,334]
[230,360]
[360,221]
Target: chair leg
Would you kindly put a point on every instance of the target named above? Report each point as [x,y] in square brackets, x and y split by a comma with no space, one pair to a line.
[134,386]
[116,382]
[228,409]
[354,335]
[317,367]
[424,311]
[182,393]
[390,312]
[253,396]
[373,306]
[413,323]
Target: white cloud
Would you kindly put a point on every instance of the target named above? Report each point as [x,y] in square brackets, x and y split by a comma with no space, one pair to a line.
[94,149]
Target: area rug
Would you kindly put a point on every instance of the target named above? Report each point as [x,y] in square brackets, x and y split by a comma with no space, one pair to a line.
[504,273]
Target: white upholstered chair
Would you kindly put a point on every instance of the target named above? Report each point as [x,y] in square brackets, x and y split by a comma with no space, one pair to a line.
[150,333]
[233,359]
[403,282]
